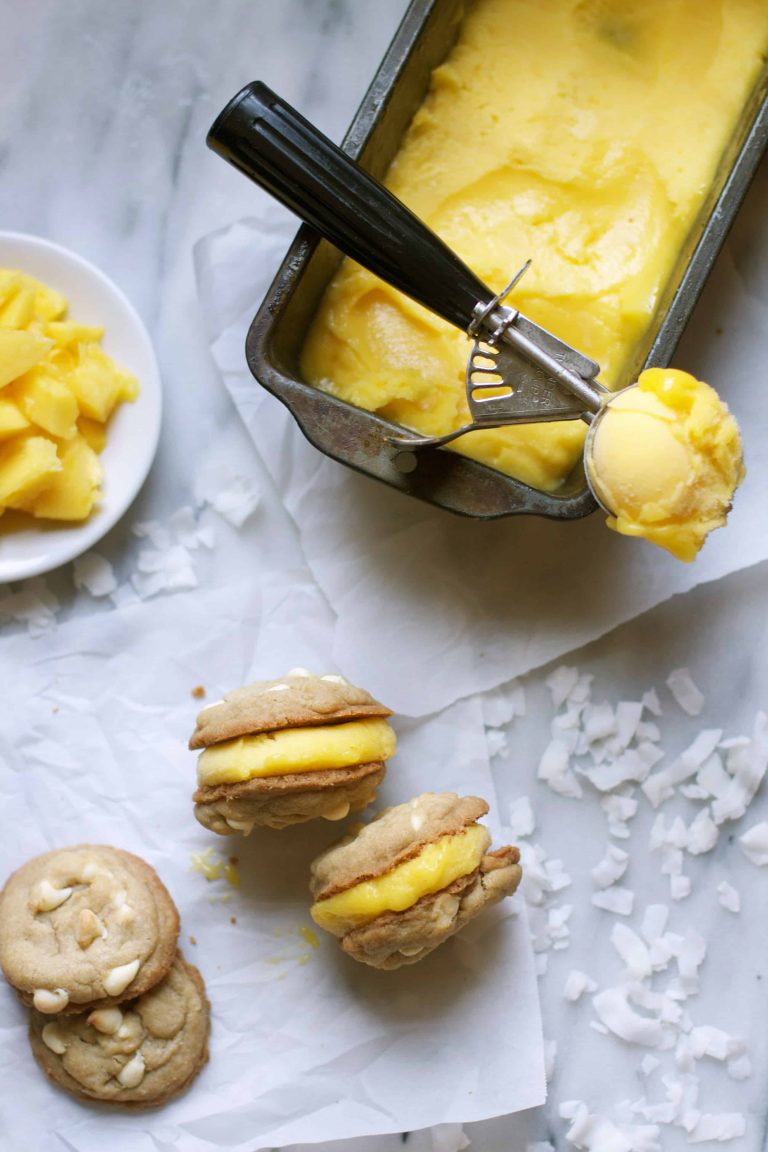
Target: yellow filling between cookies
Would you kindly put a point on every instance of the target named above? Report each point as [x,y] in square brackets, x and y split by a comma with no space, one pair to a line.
[437,865]
[296,750]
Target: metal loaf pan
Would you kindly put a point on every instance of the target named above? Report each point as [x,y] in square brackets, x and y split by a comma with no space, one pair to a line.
[358,438]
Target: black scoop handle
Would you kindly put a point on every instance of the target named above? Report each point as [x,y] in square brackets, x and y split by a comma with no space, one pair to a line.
[268,141]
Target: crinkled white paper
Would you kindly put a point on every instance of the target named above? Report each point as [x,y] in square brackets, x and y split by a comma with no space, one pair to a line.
[306,1045]
[454,606]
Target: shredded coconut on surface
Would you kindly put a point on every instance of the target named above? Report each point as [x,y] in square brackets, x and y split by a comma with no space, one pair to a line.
[615,754]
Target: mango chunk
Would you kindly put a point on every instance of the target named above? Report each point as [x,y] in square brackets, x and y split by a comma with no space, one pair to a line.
[18,311]
[27,466]
[59,390]
[94,433]
[19,351]
[74,490]
[65,332]
[12,419]
[100,385]
[48,402]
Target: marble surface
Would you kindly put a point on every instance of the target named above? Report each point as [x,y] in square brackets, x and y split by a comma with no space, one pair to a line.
[102,127]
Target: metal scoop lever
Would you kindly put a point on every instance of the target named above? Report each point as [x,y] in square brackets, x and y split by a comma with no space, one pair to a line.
[517,372]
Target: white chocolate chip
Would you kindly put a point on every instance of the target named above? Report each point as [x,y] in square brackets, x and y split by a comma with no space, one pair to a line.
[278,688]
[338,812]
[416,821]
[132,1073]
[92,870]
[244,826]
[410,951]
[89,928]
[333,679]
[119,896]
[124,1031]
[118,979]
[298,673]
[106,1020]
[125,914]
[50,1000]
[53,1039]
[46,897]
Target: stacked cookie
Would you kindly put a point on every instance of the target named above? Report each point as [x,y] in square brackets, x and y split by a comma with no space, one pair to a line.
[285,751]
[88,938]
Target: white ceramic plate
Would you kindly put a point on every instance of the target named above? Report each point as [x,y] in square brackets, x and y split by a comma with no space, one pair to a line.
[134,429]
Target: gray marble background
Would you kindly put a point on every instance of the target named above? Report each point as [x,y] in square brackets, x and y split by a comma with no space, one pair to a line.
[102,124]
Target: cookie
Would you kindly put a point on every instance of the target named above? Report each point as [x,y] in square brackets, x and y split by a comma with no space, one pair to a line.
[85,927]
[281,752]
[395,889]
[137,1055]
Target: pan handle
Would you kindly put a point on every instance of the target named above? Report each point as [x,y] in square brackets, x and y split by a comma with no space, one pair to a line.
[268,141]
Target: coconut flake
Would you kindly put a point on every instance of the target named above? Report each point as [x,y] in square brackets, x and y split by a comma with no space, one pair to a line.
[718,1126]
[34,605]
[629,766]
[618,810]
[702,833]
[649,1064]
[554,768]
[448,1138]
[617,899]
[708,1041]
[661,785]
[747,763]
[728,897]
[236,502]
[686,694]
[94,573]
[679,887]
[654,922]
[501,705]
[599,722]
[712,776]
[577,984]
[754,844]
[689,951]
[632,951]
[561,683]
[522,821]
[615,1012]
[611,868]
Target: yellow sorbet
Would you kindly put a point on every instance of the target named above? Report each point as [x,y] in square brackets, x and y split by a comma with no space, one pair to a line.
[296,750]
[436,866]
[582,133]
[665,458]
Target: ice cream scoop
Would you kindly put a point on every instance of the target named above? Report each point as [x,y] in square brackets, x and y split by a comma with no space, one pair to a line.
[664,458]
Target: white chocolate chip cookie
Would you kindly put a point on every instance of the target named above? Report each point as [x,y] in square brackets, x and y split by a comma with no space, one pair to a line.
[85,927]
[137,1055]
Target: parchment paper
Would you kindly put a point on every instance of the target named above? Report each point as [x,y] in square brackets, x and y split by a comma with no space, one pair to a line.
[306,1045]
[469,604]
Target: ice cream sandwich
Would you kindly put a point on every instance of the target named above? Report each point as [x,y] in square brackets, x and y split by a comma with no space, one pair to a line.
[285,751]
[395,889]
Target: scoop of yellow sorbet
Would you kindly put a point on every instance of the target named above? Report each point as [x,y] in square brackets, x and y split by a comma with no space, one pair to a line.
[665,458]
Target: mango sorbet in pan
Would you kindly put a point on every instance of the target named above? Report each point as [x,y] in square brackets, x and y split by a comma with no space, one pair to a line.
[585,134]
